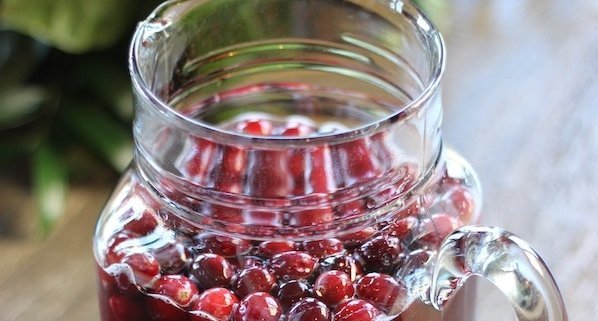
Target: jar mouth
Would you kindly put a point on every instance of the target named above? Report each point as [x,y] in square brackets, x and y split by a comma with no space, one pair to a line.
[163,16]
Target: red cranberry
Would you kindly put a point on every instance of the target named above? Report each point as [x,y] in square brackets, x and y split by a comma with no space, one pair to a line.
[199,161]
[434,229]
[293,265]
[311,217]
[269,177]
[343,263]
[232,169]
[142,225]
[254,279]
[222,245]
[257,127]
[356,239]
[401,228]
[122,280]
[320,176]
[323,248]
[124,308]
[291,292]
[462,202]
[178,288]
[270,248]
[356,310]
[297,130]
[382,253]
[160,309]
[355,160]
[145,267]
[212,270]
[216,302]
[116,249]
[258,306]
[309,309]
[173,257]
[381,290]
[352,208]
[333,287]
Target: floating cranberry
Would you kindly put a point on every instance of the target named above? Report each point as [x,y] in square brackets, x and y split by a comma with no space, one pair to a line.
[333,287]
[293,265]
[160,309]
[212,270]
[222,245]
[355,310]
[434,229]
[291,292]
[216,302]
[269,175]
[401,228]
[177,288]
[257,127]
[356,239]
[351,208]
[143,224]
[258,306]
[198,162]
[355,161]
[145,267]
[309,309]
[254,279]
[124,308]
[323,248]
[116,249]
[311,217]
[297,130]
[343,263]
[462,203]
[173,257]
[381,290]
[382,253]
[269,249]
[230,173]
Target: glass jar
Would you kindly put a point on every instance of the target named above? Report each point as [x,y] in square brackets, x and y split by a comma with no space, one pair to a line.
[289,166]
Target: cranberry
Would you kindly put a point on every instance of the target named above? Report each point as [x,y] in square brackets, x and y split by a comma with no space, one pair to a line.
[257,127]
[270,248]
[355,160]
[200,160]
[351,208]
[343,263]
[323,248]
[333,287]
[434,229]
[222,245]
[116,249]
[309,309]
[178,288]
[250,261]
[269,175]
[122,281]
[216,302]
[232,169]
[381,290]
[311,217]
[320,176]
[258,306]
[356,239]
[142,225]
[293,265]
[462,202]
[401,228]
[124,308]
[173,257]
[145,267]
[382,253]
[212,270]
[297,130]
[356,310]
[291,292]
[160,309]
[254,279]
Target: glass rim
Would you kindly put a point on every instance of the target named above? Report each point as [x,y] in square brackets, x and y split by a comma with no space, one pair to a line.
[420,21]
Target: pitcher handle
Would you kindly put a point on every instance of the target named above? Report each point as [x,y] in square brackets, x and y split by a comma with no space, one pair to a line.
[503,259]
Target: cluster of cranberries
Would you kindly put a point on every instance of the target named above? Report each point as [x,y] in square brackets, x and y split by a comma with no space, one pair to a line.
[150,272]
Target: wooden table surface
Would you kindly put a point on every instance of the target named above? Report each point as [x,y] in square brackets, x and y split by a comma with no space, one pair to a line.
[521,104]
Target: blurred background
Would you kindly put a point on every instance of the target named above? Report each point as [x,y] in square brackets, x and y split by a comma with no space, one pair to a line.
[521,104]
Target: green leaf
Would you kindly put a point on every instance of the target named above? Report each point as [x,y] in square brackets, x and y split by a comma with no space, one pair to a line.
[50,184]
[71,25]
[102,133]
[19,104]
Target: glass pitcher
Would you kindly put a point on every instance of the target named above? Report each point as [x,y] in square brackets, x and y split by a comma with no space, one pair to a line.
[289,166]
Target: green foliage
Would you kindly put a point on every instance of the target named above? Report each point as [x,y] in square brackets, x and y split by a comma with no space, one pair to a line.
[71,25]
